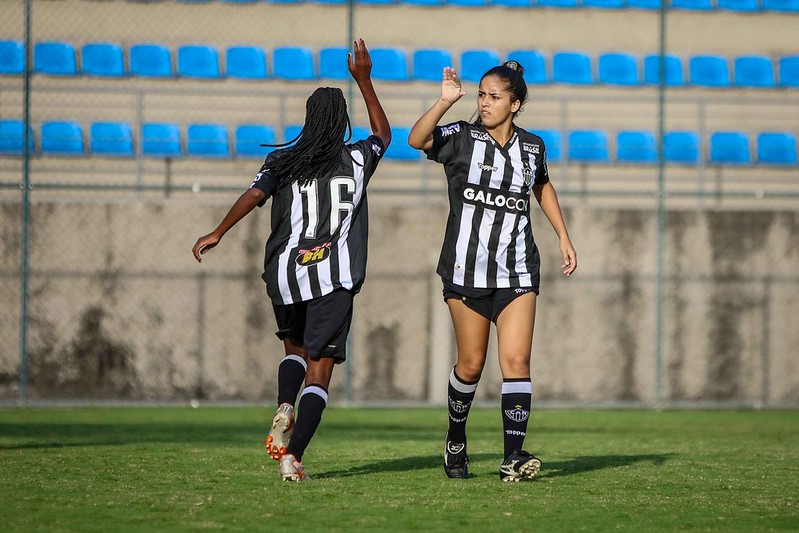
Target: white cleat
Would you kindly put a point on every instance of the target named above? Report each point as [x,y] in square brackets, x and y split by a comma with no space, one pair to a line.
[292,470]
[282,427]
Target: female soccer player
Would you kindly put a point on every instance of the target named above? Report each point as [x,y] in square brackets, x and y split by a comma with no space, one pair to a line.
[489,262]
[315,258]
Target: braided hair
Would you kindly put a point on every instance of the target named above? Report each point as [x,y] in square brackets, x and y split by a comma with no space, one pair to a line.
[512,74]
[315,152]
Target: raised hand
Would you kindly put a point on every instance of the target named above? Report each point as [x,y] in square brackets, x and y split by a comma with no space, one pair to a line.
[359,62]
[451,90]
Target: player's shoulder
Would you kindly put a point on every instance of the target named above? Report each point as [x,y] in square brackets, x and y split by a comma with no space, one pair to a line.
[454,128]
[372,143]
[529,141]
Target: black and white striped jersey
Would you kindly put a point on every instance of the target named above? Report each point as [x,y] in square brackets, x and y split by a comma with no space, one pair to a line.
[489,239]
[319,231]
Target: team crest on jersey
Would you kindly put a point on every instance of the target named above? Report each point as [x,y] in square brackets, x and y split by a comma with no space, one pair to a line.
[480,135]
[449,130]
[517,414]
[532,148]
[314,256]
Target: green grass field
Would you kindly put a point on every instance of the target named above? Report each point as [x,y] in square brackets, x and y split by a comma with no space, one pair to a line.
[175,469]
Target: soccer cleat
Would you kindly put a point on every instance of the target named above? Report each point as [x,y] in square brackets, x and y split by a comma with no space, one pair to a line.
[456,462]
[292,470]
[518,466]
[282,426]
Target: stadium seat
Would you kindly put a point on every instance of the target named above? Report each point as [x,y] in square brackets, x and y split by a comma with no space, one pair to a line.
[604,4]
[781,5]
[207,140]
[11,137]
[428,64]
[422,2]
[776,148]
[535,69]
[293,63]
[645,4]
[102,59]
[111,138]
[388,64]
[694,5]
[739,5]
[466,3]
[636,147]
[754,71]
[729,147]
[475,63]
[789,71]
[160,140]
[12,57]
[150,60]
[54,58]
[572,68]
[511,3]
[249,139]
[374,1]
[399,149]
[359,133]
[588,146]
[674,75]
[709,71]
[557,3]
[291,132]
[552,144]
[246,62]
[681,147]
[62,138]
[333,63]
[618,69]
[198,61]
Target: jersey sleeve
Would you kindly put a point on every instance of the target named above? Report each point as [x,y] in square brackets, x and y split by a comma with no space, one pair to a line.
[542,172]
[265,181]
[372,149]
[445,141]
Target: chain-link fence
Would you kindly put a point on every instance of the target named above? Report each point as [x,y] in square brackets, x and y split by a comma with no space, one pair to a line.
[145,119]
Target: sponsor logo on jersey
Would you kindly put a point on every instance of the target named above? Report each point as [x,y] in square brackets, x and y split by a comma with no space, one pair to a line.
[449,130]
[483,167]
[532,148]
[495,198]
[315,255]
[517,414]
[458,406]
[480,135]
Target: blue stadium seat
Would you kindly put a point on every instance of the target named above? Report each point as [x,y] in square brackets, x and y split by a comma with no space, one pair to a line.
[111,138]
[333,63]
[775,148]
[604,4]
[789,71]
[552,144]
[422,2]
[388,64]
[572,68]
[399,149]
[709,71]
[535,69]
[754,71]
[62,138]
[511,3]
[207,140]
[54,58]
[12,57]
[645,4]
[150,60]
[729,147]
[636,147]
[466,3]
[103,59]
[475,63]
[374,1]
[557,3]
[781,5]
[681,147]
[674,75]
[160,140]
[246,62]
[293,63]
[618,69]
[739,5]
[359,133]
[428,64]
[588,146]
[291,132]
[12,137]
[694,5]
[198,61]
[250,137]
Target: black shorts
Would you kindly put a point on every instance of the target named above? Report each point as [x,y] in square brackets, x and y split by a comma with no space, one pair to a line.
[488,303]
[320,325]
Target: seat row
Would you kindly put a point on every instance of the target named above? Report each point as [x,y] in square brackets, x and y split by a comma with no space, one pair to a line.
[298,63]
[213,140]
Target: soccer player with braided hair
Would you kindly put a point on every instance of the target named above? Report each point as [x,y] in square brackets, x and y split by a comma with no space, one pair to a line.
[489,262]
[315,259]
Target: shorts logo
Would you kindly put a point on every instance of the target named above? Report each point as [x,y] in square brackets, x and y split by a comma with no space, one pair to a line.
[486,167]
[449,130]
[315,255]
[480,136]
[458,406]
[522,291]
[517,414]
[532,148]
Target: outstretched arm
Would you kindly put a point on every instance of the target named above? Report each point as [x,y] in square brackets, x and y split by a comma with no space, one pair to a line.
[360,65]
[421,135]
[548,200]
[245,203]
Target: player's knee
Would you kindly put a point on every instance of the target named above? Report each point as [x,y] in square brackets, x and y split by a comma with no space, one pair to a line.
[516,367]
[469,370]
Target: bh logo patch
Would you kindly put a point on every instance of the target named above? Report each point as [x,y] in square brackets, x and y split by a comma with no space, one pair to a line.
[315,255]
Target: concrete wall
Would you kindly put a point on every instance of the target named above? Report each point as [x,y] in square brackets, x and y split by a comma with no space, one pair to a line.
[119,308]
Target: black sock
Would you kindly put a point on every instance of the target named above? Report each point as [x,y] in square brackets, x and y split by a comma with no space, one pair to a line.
[516,399]
[290,375]
[459,395]
[313,401]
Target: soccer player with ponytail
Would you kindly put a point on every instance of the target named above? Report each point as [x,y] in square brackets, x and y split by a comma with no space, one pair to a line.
[489,263]
[315,259]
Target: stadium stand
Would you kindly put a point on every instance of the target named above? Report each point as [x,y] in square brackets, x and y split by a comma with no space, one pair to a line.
[588,146]
[789,71]
[293,63]
[291,132]
[681,147]
[644,4]
[509,3]
[754,71]
[207,140]
[791,6]
[604,4]
[618,69]
[775,148]
[111,138]
[466,3]
[674,75]
[103,59]
[12,137]
[12,57]
[571,68]
[709,71]
[198,61]
[333,63]
[429,63]
[729,148]
[399,149]
[55,58]
[695,5]
[636,147]
[250,137]
[739,5]
[475,63]
[150,60]
[535,68]
[552,144]
[61,138]
[160,140]
[246,62]
[389,64]
[557,3]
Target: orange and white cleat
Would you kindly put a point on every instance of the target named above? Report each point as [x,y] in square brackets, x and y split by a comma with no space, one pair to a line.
[292,470]
[282,426]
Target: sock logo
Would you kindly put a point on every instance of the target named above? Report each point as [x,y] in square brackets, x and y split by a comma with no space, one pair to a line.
[517,414]
[458,406]
[515,432]
[457,420]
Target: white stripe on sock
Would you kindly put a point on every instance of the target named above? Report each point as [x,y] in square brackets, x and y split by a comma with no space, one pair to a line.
[510,387]
[300,360]
[460,386]
[313,389]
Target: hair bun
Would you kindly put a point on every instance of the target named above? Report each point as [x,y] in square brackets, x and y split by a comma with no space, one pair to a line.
[515,65]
